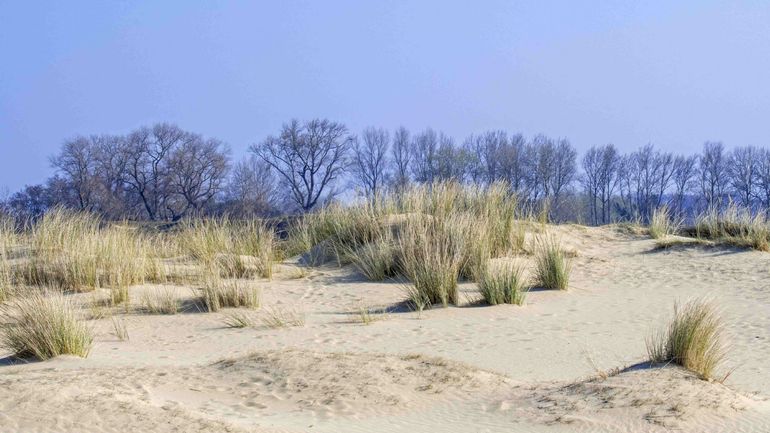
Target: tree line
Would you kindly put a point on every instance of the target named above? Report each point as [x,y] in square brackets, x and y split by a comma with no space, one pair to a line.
[164,173]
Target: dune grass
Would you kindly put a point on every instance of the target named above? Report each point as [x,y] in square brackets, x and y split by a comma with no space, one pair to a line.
[274,318]
[376,260]
[218,293]
[431,252]
[663,223]
[734,226]
[502,283]
[44,325]
[238,249]
[161,301]
[693,339]
[238,319]
[552,266]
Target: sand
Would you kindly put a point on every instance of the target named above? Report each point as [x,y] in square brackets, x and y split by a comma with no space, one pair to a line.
[563,362]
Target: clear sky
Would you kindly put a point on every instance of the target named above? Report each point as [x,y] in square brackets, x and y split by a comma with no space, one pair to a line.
[627,72]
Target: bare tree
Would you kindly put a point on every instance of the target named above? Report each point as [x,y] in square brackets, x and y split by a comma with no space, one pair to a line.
[309,157]
[647,176]
[683,178]
[515,159]
[424,149]
[252,189]
[763,178]
[591,180]
[742,170]
[713,173]
[370,160]
[608,179]
[76,161]
[147,152]
[450,160]
[197,172]
[402,158]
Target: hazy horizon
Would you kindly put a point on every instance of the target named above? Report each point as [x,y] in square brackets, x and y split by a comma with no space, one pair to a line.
[628,74]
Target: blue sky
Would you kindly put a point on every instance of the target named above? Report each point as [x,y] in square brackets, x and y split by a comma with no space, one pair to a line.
[671,73]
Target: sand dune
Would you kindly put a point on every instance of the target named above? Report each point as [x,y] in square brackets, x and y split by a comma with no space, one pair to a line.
[554,365]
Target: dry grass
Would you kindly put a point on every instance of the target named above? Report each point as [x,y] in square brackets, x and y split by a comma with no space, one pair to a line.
[693,339]
[239,249]
[119,329]
[218,293]
[162,301]
[238,319]
[663,224]
[552,265]
[44,326]
[274,318]
[76,252]
[735,226]
[376,260]
[431,253]
[503,283]
[367,315]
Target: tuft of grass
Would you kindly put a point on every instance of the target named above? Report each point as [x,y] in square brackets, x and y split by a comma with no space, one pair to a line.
[376,260]
[282,318]
[218,293]
[119,329]
[367,315]
[663,224]
[734,226]
[693,339]
[552,265]
[163,301]
[502,283]
[238,319]
[44,326]
[432,252]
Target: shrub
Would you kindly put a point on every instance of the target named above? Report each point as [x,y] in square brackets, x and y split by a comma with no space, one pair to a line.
[693,339]
[44,326]
[502,283]
[552,266]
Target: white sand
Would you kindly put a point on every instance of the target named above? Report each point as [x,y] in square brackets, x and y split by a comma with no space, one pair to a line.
[480,369]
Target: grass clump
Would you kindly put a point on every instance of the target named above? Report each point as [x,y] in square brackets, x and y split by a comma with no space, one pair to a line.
[552,265]
[238,319]
[283,318]
[376,260]
[218,293]
[163,301]
[693,339]
[432,253]
[502,283]
[662,223]
[734,226]
[44,326]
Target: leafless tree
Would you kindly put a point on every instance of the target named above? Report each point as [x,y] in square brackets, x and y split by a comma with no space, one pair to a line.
[76,161]
[712,165]
[147,152]
[683,179]
[742,171]
[370,160]
[424,150]
[763,178]
[197,172]
[252,189]
[515,159]
[647,176]
[309,157]
[609,178]
[450,160]
[591,180]
[402,158]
